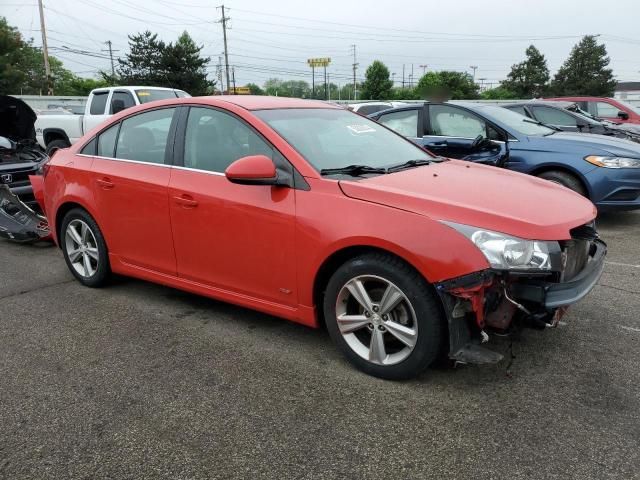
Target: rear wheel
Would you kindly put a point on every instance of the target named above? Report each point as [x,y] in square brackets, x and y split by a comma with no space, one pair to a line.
[56,145]
[84,248]
[384,317]
[564,179]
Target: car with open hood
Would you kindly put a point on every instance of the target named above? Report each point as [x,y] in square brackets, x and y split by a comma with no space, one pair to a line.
[602,168]
[310,212]
[20,158]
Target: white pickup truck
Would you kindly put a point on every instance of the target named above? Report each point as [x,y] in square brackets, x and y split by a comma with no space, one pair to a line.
[60,131]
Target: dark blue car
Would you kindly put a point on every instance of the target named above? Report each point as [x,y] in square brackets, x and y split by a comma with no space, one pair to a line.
[604,169]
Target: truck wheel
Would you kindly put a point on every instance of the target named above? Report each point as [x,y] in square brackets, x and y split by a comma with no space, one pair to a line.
[55,145]
[384,317]
[564,179]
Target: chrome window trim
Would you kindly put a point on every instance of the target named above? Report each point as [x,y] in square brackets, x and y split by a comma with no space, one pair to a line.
[126,160]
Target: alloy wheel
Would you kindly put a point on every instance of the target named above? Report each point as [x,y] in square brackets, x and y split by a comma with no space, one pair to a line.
[81,248]
[376,320]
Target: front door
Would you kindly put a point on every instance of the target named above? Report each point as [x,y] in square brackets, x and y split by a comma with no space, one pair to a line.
[237,238]
[130,177]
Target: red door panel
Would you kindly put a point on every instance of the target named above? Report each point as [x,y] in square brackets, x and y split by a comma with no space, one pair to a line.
[133,197]
[235,237]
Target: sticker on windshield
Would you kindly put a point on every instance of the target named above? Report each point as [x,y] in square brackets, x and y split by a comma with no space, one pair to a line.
[143,94]
[361,128]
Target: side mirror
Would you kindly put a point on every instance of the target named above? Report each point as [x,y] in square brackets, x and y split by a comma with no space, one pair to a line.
[623,115]
[117,106]
[252,170]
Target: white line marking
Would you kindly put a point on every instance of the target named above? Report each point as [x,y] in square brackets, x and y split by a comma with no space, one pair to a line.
[633,329]
[623,264]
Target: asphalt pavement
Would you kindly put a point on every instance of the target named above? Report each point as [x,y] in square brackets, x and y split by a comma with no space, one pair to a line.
[140,381]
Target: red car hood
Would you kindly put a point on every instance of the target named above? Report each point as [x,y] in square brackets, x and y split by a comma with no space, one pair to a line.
[479,195]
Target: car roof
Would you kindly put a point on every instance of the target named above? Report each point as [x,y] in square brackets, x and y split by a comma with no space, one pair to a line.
[562,104]
[579,99]
[264,102]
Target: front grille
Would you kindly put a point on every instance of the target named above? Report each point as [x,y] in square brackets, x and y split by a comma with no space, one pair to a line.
[575,252]
[20,178]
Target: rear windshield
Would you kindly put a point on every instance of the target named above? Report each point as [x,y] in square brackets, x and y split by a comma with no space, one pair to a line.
[151,95]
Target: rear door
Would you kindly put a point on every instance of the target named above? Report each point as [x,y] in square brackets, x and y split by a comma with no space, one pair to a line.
[98,109]
[130,177]
[237,238]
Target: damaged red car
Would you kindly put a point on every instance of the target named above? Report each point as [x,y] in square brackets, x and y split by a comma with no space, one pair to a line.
[310,212]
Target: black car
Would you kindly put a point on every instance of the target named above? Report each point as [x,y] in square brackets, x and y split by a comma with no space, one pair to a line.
[20,153]
[569,118]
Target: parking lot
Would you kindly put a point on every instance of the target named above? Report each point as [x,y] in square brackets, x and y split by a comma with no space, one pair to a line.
[140,381]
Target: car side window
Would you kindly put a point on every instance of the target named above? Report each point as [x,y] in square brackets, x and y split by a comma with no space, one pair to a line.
[89,148]
[214,140]
[121,101]
[405,122]
[98,103]
[143,137]
[553,116]
[604,109]
[451,121]
[107,141]
[518,109]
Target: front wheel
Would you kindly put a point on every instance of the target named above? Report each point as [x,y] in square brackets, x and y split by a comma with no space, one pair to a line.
[564,179]
[384,317]
[84,248]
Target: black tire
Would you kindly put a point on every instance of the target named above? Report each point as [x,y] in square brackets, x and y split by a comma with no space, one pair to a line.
[565,179]
[102,267]
[431,322]
[56,145]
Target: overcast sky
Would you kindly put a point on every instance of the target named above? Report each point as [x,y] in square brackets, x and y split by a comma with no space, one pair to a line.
[274,38]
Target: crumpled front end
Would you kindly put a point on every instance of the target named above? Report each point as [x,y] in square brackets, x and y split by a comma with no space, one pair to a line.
[498,301]
[18,222]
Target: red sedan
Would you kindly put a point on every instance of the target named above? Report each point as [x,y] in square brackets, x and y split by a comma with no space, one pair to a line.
[310,212]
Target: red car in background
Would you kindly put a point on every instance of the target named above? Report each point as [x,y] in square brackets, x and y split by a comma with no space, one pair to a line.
[310,212]
[611,109]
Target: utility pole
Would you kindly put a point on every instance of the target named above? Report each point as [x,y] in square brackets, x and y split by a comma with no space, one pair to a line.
[313,81]
[45,50]
[219,70]
[325,82]
[355,67]
[474,68]
[403,76]
[329,83]
[224,20]
[233,74]
[411,77]
[424,69]
[482,83]
[110,50]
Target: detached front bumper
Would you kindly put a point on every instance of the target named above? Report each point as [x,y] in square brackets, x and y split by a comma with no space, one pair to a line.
[492,300]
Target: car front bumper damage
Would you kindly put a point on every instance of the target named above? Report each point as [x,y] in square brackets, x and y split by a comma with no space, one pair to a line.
[498,301]
[18,222]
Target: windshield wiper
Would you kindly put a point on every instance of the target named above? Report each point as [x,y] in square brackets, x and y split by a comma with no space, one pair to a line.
[536,122]
[354,170]
[409,164]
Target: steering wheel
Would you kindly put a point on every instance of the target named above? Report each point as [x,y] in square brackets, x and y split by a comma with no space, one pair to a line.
[477,142]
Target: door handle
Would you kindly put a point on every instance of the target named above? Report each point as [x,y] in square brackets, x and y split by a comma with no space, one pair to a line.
[185,200]
[105,183]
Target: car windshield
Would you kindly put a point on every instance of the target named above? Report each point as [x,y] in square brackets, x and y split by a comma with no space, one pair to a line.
[151,95]
[335,138]
[516,121]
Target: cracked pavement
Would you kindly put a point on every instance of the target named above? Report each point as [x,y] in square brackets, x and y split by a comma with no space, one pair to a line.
[141,381]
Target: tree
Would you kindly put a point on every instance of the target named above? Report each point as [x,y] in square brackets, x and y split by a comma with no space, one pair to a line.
[255,89]
[585,72]
[377,84]
[287,88]
[184,68]
[498,93]
[11,45]
[530,78]
[406,93]
[143,64]
[447,85]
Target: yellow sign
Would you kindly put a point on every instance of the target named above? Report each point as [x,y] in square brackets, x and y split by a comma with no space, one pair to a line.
[240,90]
[318,62]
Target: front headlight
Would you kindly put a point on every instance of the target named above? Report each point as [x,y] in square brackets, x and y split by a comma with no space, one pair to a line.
[613,162]
[505,252]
